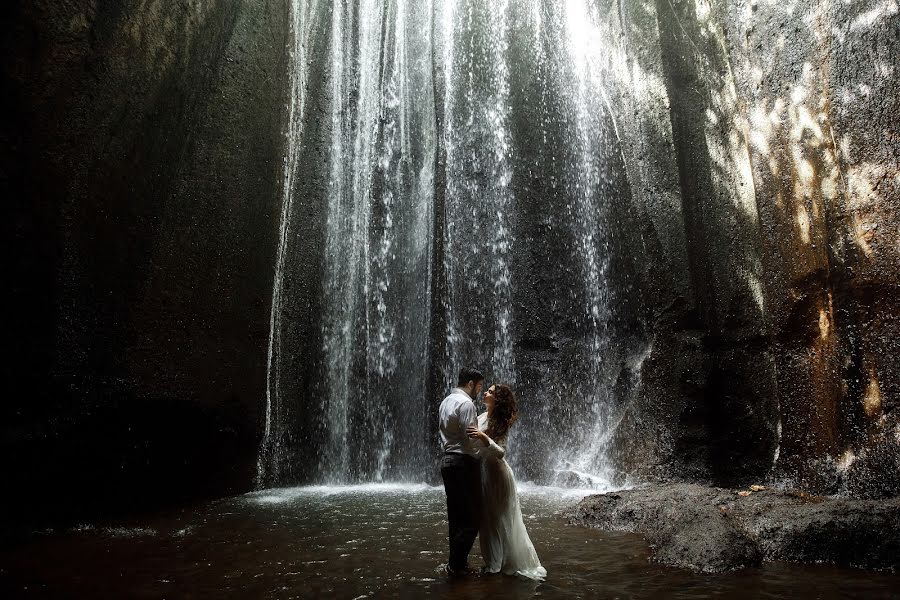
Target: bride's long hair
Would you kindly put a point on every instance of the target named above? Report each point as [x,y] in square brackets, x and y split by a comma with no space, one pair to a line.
[505,412]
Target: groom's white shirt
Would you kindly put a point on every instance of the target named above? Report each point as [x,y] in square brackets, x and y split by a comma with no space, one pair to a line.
[457,413]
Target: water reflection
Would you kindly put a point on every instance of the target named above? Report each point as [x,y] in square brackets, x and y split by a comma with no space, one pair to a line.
[371,541]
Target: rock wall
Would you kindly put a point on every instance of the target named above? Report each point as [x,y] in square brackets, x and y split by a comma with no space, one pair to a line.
[706,407]
[816,82]
[142,157]
[788,168]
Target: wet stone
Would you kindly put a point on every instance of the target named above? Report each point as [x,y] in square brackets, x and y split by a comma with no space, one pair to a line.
[713,530]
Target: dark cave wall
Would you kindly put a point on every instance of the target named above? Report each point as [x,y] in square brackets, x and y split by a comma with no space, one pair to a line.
[143,159]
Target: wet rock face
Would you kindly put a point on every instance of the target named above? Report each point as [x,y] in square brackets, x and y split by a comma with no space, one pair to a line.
[825,176]
[788,187]
[715,530]
[142,150]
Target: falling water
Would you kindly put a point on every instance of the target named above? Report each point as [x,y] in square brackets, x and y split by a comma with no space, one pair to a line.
[586,186]
[478,198]
[300,13]
[429,146]
[379,194]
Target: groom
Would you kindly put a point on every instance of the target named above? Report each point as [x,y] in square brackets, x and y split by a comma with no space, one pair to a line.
[459,467]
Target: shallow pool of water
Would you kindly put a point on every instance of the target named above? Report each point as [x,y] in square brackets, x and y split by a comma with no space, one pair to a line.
[372,540]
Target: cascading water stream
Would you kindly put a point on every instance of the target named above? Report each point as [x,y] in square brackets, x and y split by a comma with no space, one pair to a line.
[586,190]
[425,139]
[376,313]
[301,22]
[478,198]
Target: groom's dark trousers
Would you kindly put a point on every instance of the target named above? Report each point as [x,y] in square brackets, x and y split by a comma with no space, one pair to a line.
[462,483]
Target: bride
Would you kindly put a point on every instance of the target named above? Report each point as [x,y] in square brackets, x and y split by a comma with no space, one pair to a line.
[505,545]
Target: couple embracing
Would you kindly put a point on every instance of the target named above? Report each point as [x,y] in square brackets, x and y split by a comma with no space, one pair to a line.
[481,490]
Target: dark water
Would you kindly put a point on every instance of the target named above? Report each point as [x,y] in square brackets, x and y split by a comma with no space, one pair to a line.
[380,541]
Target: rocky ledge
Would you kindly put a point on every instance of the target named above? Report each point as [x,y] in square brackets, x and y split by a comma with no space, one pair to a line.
[712,530]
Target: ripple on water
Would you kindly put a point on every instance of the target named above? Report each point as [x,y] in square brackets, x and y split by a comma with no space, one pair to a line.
[279,495]
[385,540]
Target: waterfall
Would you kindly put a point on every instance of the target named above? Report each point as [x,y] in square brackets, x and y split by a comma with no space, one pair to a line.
[376,310]
[478,198]
[482,130]
[585,183]
[300,12]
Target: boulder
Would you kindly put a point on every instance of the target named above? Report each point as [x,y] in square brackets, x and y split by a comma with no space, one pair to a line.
[712,530]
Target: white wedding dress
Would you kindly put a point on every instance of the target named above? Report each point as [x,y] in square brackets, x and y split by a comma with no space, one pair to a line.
[505,545]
